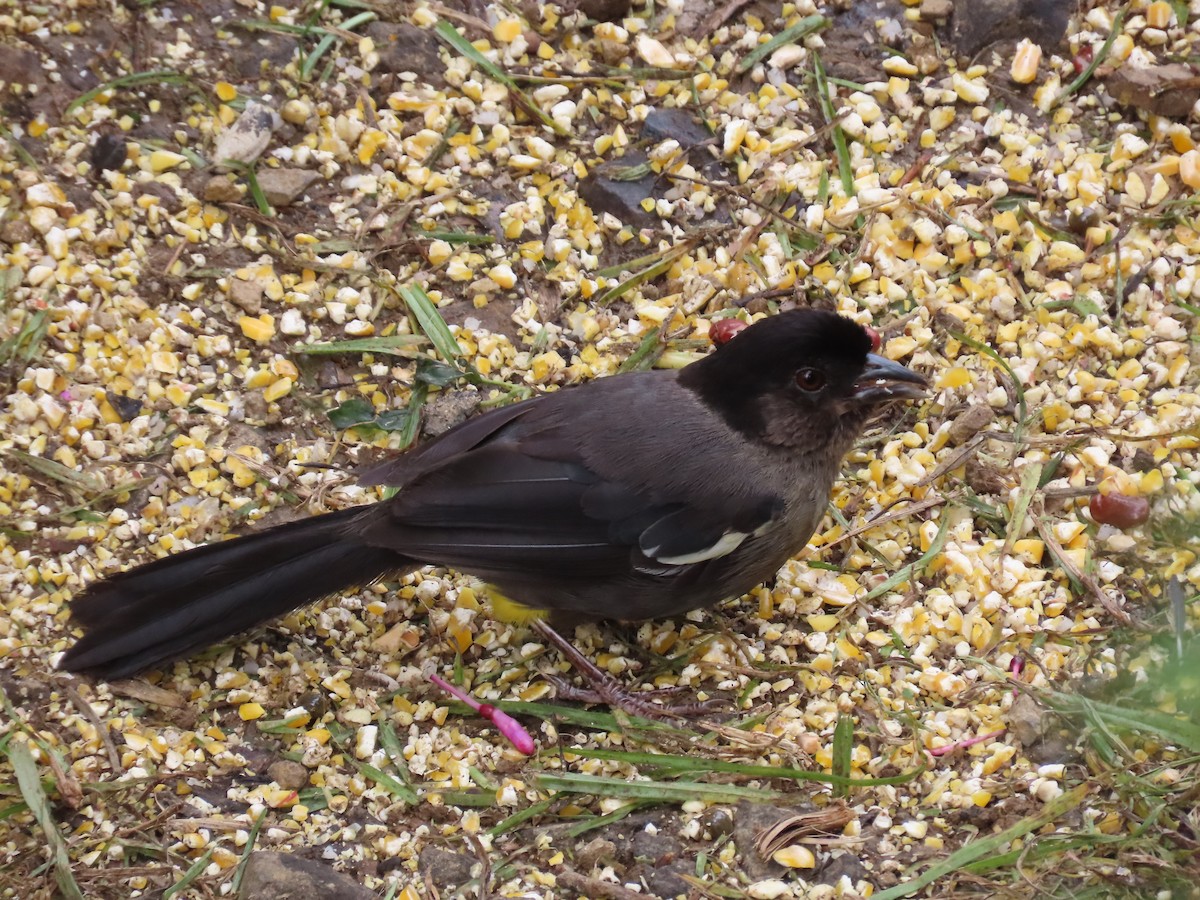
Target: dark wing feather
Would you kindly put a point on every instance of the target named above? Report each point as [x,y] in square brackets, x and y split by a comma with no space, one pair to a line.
[497,512]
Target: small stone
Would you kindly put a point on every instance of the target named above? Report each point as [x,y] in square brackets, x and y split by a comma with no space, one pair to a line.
[16,231]
[446,869]
[288,774]
[283,186]
[221,189]
[984,479]
[970,422]
[245,140]
[246,294]
[282,876]
[407,48]
[936,9]
[448,409]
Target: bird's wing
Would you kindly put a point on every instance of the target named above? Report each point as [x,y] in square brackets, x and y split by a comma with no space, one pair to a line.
[497,510]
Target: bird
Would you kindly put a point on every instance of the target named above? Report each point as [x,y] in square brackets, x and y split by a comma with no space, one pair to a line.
[636,496]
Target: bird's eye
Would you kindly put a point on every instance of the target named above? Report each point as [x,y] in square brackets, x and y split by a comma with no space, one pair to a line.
[810,380]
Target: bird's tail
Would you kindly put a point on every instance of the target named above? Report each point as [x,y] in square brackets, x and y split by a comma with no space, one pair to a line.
[171,607]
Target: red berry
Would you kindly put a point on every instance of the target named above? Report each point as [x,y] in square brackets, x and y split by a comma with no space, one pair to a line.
[876,339]
[1082,59]
[1119,510]
[723,330]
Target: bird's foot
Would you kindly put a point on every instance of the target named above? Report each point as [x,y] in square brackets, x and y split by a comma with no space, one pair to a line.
[604,689]
[636,703]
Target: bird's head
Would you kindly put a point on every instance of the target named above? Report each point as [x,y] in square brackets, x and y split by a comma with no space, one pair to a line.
[804,380]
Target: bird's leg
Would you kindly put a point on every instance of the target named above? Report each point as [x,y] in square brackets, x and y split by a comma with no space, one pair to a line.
[606,689]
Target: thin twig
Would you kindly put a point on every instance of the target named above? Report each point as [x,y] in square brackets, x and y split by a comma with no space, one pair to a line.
[85,709]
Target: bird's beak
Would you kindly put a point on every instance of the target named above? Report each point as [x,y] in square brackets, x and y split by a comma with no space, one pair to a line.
[883,380]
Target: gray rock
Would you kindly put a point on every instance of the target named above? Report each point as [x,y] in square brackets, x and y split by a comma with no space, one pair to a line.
[407,48]
[608,189]
[447,409]
[288,774]
[246,139]
[445,868]
[19,66]
[221,189]
[969,423]
[679,124]
[246,294]
[749,821]
[281,876]
[282,186]
[978,23]
[936,9]
[845,865]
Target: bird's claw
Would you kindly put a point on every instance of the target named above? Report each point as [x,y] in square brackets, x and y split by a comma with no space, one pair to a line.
[614,695]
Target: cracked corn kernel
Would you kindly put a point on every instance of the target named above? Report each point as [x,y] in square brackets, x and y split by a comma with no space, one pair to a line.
[163,160]
[438,252]
[1025,62]
[503,275]
[796,856]
[1158,14]
[278,389]
[248,712]
[1189,168]
[260,329]
[507,30]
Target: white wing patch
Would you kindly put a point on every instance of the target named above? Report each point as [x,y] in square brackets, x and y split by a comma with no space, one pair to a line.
[726,544]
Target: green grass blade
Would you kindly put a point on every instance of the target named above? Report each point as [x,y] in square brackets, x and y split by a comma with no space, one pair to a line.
[452,36]
[843,747]
[1175,729]
[842,149]
[670,792]
[244,861]
[689,764]
[195,870]
[167,76]
[520,818]
[56,471]
[430,321]
[394,345]
[903,574]
[31,789]
[790,35]
[388,783]
[647,352]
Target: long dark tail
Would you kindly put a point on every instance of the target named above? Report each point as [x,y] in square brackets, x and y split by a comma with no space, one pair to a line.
[171,607]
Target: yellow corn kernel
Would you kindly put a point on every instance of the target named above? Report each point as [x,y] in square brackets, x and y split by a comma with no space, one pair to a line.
[1025,62]
[1158,14]
[822,622]
[248,712]
[1031,548]
[260,329]
[954,378]
[278,389]
[507,30]
[1189,169]
[797,856]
